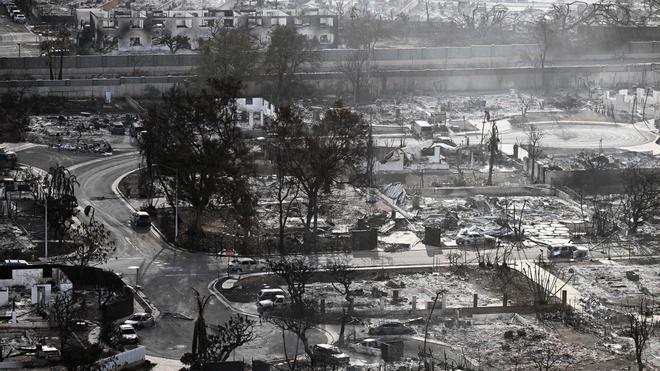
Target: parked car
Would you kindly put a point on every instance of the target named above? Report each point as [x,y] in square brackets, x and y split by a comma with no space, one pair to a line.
[128,334]
[269,294]
[474,238]
[367,346]
[276,302]
[245,265]
[330,354]
[141,219]
[391,328]
[140,320]
[567,251]
[19,18]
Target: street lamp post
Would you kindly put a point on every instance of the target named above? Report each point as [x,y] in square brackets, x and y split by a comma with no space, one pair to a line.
[137,274]
[46,228]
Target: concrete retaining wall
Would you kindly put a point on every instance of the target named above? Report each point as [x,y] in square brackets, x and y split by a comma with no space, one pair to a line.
[509,190]
[590,181]
[388,82]
[482,56]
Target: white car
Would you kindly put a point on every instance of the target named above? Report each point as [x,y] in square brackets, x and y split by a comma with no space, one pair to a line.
[277,301]
[367,346]
[140,320]
[247,265]
[128,334]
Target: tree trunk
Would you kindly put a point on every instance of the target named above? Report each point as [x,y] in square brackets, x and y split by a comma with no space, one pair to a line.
[343,325]
[59,77]
[50,66]
[196,226]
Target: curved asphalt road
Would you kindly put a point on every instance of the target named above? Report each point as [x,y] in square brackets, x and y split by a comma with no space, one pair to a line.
[166,275]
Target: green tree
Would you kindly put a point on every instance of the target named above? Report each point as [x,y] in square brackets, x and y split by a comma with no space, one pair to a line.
[287,54]
[15,108]
[60,199]
[93,244]
[174,43]
[197,135]
[60,46]
[229,54]
[321,155]
[640,199]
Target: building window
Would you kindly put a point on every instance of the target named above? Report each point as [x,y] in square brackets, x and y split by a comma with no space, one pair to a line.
[208,23]
[248,101]
[324,39]
[182,23]
[229,22]
[135,41]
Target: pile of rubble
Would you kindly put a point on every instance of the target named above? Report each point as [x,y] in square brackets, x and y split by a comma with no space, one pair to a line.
[399,290]
[14,240]
[83,133]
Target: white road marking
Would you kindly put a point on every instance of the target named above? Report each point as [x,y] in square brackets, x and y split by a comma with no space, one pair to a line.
[135,247]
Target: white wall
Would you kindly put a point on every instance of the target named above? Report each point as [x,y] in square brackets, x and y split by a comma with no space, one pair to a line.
[24,277]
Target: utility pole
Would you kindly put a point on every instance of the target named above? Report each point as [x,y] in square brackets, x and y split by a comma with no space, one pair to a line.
[46,228]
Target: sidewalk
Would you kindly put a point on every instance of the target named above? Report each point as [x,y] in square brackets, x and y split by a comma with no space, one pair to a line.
[544,278]
[164,364]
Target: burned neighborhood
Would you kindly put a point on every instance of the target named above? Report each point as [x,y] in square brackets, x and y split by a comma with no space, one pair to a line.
[330,185]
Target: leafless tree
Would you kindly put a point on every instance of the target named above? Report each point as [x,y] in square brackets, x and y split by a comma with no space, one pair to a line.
[525,103]
[545,36]
[354,68]
[343,276]
[493,149]
[235,332]
[642,325]
[547,359]
[296,272]
[640,199]
[534,151]
[543,284]
[64,310]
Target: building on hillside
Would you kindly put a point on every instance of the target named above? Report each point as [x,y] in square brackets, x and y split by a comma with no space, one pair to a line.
[141,30]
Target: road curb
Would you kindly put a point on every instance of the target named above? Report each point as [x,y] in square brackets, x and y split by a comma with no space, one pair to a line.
[154,229]
[228,305]
[124,199]
[221,298]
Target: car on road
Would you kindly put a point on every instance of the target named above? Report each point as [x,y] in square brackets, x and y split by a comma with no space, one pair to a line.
[330,355]
[140,320]
[19,18]
[391,328]
[141,219]
[269,294]
[475,238]
[367,346]
[567,251]
[128,335]
[267,304]
[247,265]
